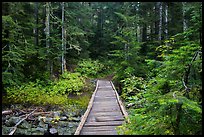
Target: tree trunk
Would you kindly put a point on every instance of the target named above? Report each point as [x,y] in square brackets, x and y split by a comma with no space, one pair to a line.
[178,118]
[184,20]
[144,33]
[156,21]
[160,20]
[166,21]
[36,28]
[138,34]
[47,32]
[63,40]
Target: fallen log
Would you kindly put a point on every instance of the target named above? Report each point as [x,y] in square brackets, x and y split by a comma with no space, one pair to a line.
[15,127]
[7,112]
[41,113]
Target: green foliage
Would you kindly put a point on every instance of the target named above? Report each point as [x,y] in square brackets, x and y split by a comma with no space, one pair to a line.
[161,107]
[131,86]
[69,83]
[89,68]
[154,114]
[40,92]
[12,53]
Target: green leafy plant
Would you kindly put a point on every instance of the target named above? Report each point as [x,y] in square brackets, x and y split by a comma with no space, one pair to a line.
[51,93]
[89,68]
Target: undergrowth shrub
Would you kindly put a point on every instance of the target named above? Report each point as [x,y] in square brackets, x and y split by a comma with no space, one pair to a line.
[168,114]
[68,83]
[165,106]
[89,68]
[131,86]
[51,93]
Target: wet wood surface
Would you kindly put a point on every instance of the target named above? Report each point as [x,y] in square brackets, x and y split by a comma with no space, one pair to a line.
[105,112]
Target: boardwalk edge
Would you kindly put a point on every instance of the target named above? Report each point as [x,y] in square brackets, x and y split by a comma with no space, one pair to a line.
[84,117]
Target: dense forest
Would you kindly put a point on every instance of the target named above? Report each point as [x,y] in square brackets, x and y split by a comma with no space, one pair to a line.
[152,51]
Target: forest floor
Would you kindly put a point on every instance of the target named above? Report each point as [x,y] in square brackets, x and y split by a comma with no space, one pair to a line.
[63,118]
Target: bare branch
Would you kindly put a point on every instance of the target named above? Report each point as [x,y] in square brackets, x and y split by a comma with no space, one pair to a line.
[6,112]
[15,127]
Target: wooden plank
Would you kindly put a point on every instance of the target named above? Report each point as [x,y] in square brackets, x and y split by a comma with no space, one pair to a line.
[105,92]
[105,107]
[105,123]
[105,118]
[100,133]
[105,110]
[106,102]
[106,114]
[105,97]
[101,128]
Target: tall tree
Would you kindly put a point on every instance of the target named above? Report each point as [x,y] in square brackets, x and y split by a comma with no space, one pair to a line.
[47,32]
[36,28]
[63,41]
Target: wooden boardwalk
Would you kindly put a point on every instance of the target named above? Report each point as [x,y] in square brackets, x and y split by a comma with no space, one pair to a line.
[104,113]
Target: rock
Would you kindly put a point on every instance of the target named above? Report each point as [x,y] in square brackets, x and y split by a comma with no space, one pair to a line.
[64,131]
[6,130]
[73,114]
[25,125]
[41,124]
[47,120]
[37,131]
[71,125]
[76,119]
[130,105]
[51,130]
[3,119]
[8,117]
[40,129]
[12,121]
[56,114]
[62,124]
[40,118]
[20,131]
[64,118]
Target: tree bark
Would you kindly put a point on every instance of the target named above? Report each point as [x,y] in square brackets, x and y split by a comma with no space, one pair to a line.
[184,20]
[47,32]
[63,40]
[36,28]
[166,21]
[160,20]
[157,21]
[178,118]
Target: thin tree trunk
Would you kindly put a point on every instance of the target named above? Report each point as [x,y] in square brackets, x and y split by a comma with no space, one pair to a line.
[36,19]
[47,31]
[160,20]
[178,118]
[51,45]
[138,33]
[166,21]
[157,21]
[63,41]
[184,20]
